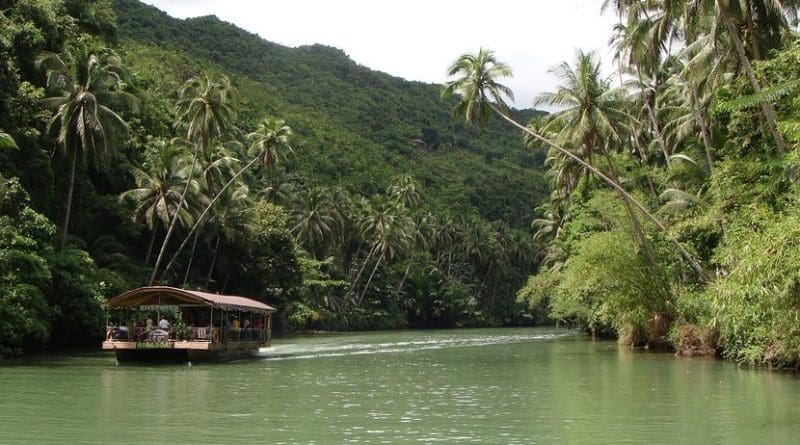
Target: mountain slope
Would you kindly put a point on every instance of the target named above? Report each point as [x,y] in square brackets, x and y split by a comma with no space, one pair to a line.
[356,127]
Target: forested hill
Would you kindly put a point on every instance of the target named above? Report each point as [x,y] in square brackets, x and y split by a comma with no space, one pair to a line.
[356,127]
[137,149]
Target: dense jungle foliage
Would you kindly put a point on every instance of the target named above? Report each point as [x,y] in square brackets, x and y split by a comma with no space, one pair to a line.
[674,206]
[138,148]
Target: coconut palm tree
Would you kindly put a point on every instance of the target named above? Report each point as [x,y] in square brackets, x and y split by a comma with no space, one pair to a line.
[591,113]
[385,226]
[405,192]
[226,225]
[216,164]
[278,189]
[316,220]
[474,77]
[158,188]
[268,144]
[477,86]
[204,110]
[83,84]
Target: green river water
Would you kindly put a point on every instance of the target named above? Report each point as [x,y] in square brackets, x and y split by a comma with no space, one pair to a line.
[498,386]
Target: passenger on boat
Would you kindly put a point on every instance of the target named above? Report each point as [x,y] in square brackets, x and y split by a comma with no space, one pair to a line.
[123,333]
[163,324]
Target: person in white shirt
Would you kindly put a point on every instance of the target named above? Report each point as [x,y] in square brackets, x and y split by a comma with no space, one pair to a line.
[163,324]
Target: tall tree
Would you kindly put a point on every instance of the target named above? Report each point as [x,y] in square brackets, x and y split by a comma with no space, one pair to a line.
[268,144]
[205,111]
[315,220]
[158,188]
[83,85]
[479,93]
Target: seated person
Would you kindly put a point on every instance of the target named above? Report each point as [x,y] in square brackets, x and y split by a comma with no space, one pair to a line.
[123,333]
[163,324]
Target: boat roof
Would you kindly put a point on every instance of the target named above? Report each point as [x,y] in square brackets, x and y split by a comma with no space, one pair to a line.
[166,295]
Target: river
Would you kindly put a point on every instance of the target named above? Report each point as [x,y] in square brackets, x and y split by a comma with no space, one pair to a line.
[496,386]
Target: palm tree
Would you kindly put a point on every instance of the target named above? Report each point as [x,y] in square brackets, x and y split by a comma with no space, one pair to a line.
[158,191]
[478,90]
[268,144]
[474,77]
[725,17]
[228,221]
[386,226]
[405,192]
[216,164]
[316,220]
[82,84]
[591,114]
[205,111]
[204,108]
[278,189]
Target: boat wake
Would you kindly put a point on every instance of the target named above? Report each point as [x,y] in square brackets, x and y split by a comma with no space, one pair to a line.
[336,346]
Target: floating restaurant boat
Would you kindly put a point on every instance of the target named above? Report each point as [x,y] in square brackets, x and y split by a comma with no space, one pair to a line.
[161,323]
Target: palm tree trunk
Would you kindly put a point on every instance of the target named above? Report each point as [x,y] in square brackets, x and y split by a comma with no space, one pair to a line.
[405,275]
[705,133]
[755,45]
[640,238]
[363,266]
[213,260]
[150,245]
[766,108]
[174,220]
[616,186]
[61,239]
[191,259]
[449,263]
[369,280]
[651,114]
[643,164]
[205,212]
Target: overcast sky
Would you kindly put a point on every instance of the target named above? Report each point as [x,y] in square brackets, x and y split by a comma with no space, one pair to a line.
[419,39]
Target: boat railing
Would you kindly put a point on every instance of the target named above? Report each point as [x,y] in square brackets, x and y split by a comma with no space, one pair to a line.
[192,333]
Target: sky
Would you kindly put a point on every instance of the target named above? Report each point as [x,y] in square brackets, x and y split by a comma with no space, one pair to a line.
[419,39]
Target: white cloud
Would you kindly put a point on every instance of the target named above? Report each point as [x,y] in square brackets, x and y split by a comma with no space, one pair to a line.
[418,39]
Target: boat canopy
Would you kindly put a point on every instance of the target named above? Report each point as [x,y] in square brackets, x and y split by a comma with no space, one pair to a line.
[166,295]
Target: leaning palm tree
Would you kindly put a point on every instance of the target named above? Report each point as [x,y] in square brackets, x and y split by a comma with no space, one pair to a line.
[83,83]
[205,111]
[591,113]
[158,189]
[268,145]
[480,94]
[387,227]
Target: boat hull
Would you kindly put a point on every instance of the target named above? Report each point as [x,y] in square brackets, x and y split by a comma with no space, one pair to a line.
[181,352]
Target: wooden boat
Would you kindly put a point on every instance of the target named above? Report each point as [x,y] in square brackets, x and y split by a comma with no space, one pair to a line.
[161,323]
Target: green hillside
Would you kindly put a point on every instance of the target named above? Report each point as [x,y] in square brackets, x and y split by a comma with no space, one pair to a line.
[140,149]
[356,127]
